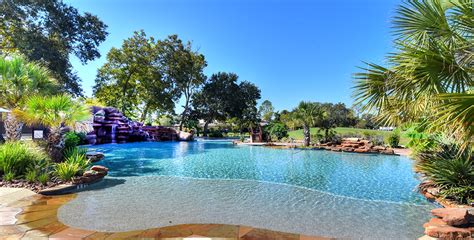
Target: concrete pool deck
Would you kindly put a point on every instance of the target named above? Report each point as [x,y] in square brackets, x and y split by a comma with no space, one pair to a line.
[27,215]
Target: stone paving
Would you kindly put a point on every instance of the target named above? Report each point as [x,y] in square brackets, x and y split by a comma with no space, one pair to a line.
[26,215]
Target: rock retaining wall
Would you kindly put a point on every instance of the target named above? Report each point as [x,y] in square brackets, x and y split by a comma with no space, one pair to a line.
[356,145]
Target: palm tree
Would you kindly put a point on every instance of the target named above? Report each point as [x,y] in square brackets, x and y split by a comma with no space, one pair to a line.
[19,79]
[56,112]
[306,115]
[431,75]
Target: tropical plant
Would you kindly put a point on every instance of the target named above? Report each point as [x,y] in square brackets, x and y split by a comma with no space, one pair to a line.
[18,80]
[43,178]
[431,75]
[56,112]
[450,167]
[306,115]
[8,176]
[31,176]
[65,171]
[16,158]
[77,156]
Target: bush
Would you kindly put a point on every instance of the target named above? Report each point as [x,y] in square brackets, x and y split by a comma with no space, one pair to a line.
[17,157]
[43,178]
[71,140]
[393,140]
[450,168]
[30,176]
[77,156]
[215,134]
[65,171]
[278,130]
[8,176]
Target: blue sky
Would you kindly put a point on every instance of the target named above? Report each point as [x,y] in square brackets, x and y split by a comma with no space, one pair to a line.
[292,49]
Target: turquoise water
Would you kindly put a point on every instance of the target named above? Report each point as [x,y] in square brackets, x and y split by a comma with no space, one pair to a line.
[371,177]
[317,193]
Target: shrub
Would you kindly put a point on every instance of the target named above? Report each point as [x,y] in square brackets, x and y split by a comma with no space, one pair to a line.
[8,176]
[17,157]
[43,178]
[77,156]
[83,138]
[30,176]
[71,139]
[215,134]
[393,140]
[278,130]
[450,168]
[66,171]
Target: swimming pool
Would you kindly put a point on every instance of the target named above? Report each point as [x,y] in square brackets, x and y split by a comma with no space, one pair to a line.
[301,191]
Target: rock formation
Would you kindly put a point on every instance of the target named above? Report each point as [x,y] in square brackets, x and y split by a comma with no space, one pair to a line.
[111,126]
[355,145]
[450,224]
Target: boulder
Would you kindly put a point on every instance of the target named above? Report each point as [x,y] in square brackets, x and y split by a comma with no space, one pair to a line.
[378,148]
[99,168]
[95,156]
[447,232]
[388,151]
[361,150]
[454,216]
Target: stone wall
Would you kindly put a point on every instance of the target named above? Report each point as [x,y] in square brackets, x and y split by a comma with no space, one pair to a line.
[356,145]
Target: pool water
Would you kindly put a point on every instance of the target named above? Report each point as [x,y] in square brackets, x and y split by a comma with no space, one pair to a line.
[310,192]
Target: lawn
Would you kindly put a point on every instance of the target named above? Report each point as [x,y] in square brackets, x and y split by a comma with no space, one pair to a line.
[298,134]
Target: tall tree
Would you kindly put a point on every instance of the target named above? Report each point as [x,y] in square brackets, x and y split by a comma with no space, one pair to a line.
[266,110]
[49,32]
[18,80]
[430,77]
[134,78]
[185,67]
[213,101]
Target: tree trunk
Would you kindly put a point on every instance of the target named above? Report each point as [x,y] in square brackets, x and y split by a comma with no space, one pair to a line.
[307,135]
[206,129]
[183,115]
[13,128]
[144,114]
[55,145]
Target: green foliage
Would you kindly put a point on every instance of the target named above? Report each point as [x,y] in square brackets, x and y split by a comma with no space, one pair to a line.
[393,140]
[65,171]
[20,79]
[266,110]
[43,178]
[71,140]
[216,134]
[8,176]
[278,130]
[430,76]
[77,156]
[50,32]
[17,157]
[30,176]
[450,167]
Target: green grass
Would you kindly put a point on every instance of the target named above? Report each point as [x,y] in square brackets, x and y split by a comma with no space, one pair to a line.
[298,134]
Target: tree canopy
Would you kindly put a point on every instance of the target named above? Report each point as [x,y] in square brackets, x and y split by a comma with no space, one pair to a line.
[49,32]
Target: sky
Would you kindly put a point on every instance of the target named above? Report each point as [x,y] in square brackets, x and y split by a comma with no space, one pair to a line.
[293,50]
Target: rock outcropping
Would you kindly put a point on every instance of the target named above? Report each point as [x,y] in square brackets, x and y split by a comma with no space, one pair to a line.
[111,126]
[356,145]
[450,224]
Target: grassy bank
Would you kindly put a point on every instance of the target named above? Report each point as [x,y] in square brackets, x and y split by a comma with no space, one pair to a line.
[298,134]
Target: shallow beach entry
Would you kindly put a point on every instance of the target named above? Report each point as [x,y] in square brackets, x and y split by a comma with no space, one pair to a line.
[307,192]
